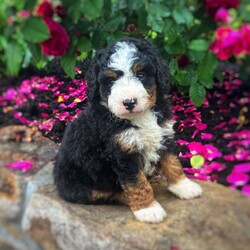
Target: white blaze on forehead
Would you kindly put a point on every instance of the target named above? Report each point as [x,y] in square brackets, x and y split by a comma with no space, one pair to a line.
[124,57]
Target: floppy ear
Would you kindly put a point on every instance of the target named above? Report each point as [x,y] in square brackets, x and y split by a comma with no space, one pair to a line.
[92,79]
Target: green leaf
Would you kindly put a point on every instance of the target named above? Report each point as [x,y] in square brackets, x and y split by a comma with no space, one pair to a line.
[208,83]
[35,52]
[14,56]
[84,44]
[183,16]
[207,67]
[170,32]
[35,30]
[156,24]
[173,66]
[197,161]
[158,10]
[156,13]
[68,60]
[196,56]
[29,5]
[68,63]
[198,45]
[92,9]
[176,47]
[197,94]
[192,75]
[113,24]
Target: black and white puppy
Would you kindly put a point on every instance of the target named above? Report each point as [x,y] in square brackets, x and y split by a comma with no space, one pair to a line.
[124,136]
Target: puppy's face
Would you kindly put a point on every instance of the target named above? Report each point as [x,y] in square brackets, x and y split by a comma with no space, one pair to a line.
[127,84]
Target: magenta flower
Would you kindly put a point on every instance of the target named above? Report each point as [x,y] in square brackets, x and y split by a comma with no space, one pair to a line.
[238,178]
[212,152]
[206,136]
[197,148]
[20,165]
[246,190]
[10,94]
[243,167]
[218,167]
[47,125]
[182,142]
[228,42]
[222,15]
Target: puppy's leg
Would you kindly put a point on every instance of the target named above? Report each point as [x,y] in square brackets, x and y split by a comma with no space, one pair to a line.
[179,184]
[140,198]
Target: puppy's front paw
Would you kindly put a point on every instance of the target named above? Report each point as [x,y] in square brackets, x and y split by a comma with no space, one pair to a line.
[152,214]
[186,189]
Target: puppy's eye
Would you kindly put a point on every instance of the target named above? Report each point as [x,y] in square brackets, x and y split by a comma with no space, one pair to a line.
[110,81]
[140,75]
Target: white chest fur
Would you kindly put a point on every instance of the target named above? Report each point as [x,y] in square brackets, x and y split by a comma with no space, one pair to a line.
[148,138]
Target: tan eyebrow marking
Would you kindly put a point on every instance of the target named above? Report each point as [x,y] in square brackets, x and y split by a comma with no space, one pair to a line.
[137,67]
[110,74]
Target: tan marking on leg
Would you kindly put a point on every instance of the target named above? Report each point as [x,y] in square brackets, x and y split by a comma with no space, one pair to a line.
[138,195]
[100,195]
[171,168]
[128,148]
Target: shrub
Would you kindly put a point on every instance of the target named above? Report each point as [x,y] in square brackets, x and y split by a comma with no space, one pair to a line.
[192,35]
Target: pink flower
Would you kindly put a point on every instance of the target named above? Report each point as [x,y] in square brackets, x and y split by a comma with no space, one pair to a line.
[58,43]
[45,9]
[20,165]
[23,14]
[228,42]
[222,15]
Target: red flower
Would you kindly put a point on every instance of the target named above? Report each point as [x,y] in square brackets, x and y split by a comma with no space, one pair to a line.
[183,61]
[228,42]
[45,9]
[58,43]
[60,11]
[212,6]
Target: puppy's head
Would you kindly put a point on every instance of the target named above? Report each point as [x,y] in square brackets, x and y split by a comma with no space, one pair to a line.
[128,77]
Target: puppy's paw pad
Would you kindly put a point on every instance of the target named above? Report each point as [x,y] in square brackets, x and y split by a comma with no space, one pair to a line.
[153,214]
[186,189]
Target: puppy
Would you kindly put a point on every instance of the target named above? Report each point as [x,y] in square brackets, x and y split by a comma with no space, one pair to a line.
[124,135]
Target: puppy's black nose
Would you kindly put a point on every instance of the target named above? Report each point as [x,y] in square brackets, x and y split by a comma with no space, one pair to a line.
[130,103]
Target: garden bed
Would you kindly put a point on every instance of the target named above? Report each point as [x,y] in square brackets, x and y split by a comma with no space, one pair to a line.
[214,139]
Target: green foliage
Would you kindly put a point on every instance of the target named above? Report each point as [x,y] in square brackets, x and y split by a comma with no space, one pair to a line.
[35,30]
[177,28]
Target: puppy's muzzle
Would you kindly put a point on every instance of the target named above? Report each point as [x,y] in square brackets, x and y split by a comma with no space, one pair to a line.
[129,104]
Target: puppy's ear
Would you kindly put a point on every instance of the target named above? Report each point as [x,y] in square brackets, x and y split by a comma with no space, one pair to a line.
[163,101]
[92,79]
[162,76]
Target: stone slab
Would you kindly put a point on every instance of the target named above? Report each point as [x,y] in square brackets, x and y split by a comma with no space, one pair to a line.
[220,219]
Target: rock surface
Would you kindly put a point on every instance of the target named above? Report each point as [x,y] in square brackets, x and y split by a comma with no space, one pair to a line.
[220,219]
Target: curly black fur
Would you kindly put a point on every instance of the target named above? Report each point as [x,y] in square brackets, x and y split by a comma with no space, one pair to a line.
[89,159]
